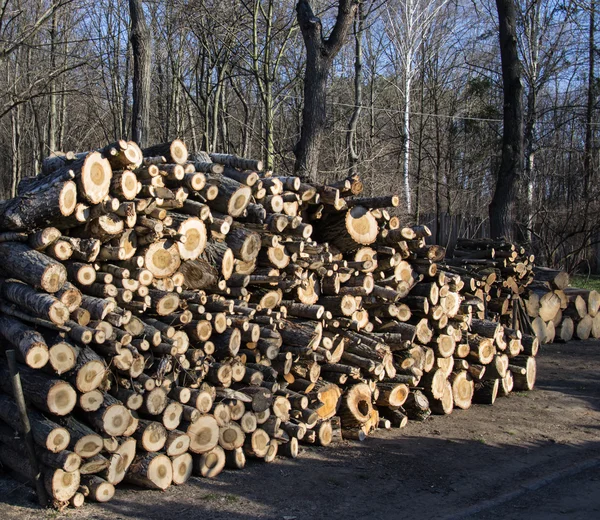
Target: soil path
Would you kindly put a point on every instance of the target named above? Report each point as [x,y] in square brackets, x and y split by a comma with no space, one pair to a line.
[533,455]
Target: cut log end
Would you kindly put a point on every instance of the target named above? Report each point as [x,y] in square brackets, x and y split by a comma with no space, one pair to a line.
[96,175]
[210,464]
[239,201]
[61,398]
[362,225]
[182,468]
[62,485]
[67,199]
[162,258]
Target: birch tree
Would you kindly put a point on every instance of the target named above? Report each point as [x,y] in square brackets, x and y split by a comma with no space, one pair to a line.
[409,22]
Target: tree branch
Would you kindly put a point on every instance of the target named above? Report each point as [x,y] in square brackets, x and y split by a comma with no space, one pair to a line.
[310,25]
[343,21]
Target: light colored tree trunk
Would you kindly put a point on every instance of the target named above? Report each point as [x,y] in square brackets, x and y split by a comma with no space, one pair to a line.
[406,137]
[359,24]
[15,149]
[53,112]
[269,126]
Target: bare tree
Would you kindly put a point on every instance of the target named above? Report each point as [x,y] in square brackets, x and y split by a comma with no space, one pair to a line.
[269,39]
[141,44]
[544,44]
[588,156]
[415,105]
[511,166]
[320,52]
[359,27]
[409,23]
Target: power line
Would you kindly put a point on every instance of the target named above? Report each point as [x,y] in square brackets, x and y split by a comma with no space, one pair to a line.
[391,111]
[424,114]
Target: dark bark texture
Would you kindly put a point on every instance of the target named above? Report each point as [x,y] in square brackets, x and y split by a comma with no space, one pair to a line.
[141,45]
[320,53]
[511,165]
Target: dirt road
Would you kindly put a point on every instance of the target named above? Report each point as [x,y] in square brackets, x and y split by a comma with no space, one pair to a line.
[533,455]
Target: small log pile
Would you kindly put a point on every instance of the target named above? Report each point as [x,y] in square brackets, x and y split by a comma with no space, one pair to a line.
[559,312]
[497,273]
[177,313]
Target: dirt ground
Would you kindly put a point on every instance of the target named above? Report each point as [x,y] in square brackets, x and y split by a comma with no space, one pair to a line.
[533,455]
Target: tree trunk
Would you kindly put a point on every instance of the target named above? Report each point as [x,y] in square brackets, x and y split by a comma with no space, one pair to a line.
[406,137]
[588,163]
[532,33]
[320,53]
[140,43]
[359,25]
[53,115]
[530,135]
[511,166]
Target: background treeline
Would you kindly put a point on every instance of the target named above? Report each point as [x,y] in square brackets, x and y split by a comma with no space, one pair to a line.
[414,99]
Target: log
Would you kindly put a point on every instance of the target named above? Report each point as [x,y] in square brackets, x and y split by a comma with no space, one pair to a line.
[524,381]
[445,404]
[417,406]
[150,435]
[99,489]
[357,228]
[162,258]
[93,175]
[32,267]
[30,346]
[152,471]
[182,468]
[194,231]
[209,464]
[111,418]
[236,162]
[174,152]
[59,484]
[462,389]
[177,443]
[203,434]
[120,462]
[232,198]
[486,391]
[50,395]
[245,244]
[356,406]
[39,209]
[88,372]
[557,279]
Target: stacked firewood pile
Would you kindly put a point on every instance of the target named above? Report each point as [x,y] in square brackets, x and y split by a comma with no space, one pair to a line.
[177,313]
[560,312]
[497,272]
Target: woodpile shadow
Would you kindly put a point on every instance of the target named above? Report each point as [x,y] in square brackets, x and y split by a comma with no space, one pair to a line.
[405,471]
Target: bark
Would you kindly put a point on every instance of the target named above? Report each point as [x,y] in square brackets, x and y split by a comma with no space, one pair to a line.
[359,26]
[588,163]
[32,267]
[320,53]
[46,434]
[141,45]
[511,166]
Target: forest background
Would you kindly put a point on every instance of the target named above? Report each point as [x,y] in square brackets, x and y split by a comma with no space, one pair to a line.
[414,99]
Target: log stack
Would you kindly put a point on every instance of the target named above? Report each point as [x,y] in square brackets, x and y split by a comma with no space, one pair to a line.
[559,312]
[176,313]
[497,272]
